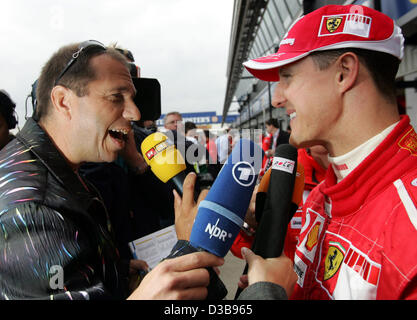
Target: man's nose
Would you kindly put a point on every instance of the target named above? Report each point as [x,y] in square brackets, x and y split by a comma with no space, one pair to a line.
[131,111]
[278,99]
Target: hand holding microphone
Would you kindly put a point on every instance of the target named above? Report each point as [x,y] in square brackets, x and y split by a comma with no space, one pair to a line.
[283,197]
[186,207]
[278,270]
[284,193]
[220,215]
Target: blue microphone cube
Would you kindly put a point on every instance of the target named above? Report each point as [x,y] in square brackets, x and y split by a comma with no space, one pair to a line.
[220,215]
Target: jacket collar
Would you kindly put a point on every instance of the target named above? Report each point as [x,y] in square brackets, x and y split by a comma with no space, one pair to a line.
[380,169]
[36,139]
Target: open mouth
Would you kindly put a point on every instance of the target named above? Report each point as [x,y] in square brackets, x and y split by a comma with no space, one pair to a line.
[118,134]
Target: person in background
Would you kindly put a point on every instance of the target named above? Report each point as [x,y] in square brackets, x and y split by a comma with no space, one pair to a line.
[8,119]
[224,145]
[176,131]
[173,121]
[275,137]
[211,146]
[213,165]
[150,125]
[190,130]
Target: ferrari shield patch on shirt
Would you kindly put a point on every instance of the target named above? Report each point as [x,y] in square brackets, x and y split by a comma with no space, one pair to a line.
[334,259]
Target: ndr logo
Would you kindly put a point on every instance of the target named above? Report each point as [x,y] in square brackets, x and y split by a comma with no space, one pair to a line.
[243,173]
[215,231]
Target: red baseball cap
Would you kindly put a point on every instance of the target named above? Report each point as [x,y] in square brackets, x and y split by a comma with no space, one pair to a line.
[327,28]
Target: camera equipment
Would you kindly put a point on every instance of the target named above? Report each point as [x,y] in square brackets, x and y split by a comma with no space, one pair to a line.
[148,98]
[7,109]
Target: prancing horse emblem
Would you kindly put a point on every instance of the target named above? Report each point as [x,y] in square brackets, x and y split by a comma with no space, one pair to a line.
[333,261]
[333,23]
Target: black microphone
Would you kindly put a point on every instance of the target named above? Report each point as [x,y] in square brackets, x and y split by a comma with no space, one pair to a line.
[280,204]
[261,195]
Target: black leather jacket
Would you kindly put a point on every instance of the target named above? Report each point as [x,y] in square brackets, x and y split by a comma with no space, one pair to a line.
[55,238]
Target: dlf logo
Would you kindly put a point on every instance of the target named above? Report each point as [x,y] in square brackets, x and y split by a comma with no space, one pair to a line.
[243,173]
[216,232]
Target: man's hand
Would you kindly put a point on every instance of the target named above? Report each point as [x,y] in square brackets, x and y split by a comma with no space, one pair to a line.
[250,218]
[136,265]
[277,270]
[183,277]
[186,208]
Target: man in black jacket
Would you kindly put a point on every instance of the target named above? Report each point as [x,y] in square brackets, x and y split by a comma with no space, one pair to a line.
[55,237]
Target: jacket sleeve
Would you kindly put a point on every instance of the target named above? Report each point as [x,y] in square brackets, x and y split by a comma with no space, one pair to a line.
[45,255]
[263,291]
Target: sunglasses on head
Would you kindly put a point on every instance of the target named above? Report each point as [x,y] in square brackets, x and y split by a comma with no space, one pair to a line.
[84,46]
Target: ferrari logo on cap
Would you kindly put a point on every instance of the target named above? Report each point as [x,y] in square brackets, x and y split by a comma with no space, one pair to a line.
[333,23]
[334,259]
[350,23]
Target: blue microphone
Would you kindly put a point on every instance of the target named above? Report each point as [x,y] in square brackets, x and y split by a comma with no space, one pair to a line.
[220,215]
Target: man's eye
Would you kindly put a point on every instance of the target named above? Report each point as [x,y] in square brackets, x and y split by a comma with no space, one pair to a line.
[116,97]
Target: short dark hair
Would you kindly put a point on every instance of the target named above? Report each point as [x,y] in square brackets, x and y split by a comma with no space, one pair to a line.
[7,109]
[273,122]
[188,125]
[383,67]
[76,78]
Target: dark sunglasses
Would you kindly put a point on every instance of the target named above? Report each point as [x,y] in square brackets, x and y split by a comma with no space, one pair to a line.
[84,46]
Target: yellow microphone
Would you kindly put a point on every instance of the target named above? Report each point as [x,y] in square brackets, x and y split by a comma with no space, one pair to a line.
[165,160]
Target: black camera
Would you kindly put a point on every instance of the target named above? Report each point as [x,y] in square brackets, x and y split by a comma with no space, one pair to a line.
[147,99]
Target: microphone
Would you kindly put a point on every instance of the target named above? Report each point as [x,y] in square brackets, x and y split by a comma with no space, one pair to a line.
[282,201]
[261,195]
[166,161]
[285,190]
[220,215]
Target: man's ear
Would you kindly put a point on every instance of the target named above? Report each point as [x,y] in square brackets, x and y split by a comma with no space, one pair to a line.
[347,71]
[61,98]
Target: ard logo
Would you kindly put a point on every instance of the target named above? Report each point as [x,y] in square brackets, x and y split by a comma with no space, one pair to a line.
[334,259]
[333,23]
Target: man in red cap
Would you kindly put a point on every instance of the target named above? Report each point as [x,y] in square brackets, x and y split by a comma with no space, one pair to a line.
[336,69]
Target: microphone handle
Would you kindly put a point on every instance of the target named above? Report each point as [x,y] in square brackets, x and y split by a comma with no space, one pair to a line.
[278,249]
[259,205]
[178,182]
[216,289]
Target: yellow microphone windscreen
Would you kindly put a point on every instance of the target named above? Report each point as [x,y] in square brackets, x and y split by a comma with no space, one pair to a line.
[161,155]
